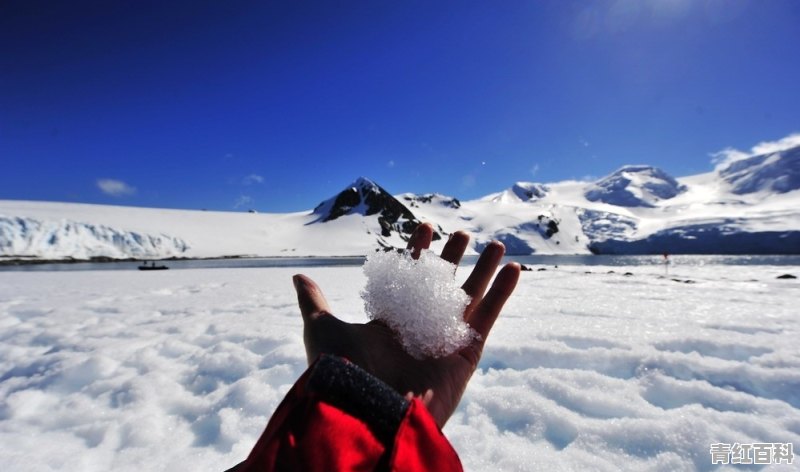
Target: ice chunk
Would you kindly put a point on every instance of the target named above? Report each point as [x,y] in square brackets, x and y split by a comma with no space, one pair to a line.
[419,300]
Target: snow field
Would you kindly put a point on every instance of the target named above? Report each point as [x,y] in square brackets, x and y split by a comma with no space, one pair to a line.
[583,371]
[601,371]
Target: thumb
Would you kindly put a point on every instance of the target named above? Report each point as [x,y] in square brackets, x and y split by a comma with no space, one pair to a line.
[309,297]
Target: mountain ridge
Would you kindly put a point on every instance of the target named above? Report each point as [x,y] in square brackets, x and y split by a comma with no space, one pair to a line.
[751,205]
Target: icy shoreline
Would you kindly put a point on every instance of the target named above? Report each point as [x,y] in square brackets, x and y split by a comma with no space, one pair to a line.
[33,260]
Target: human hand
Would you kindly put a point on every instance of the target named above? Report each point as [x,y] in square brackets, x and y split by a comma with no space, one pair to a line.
[373,346]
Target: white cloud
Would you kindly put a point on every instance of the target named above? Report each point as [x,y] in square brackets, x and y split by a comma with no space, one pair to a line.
[768,147]
[724,157]
[243,201]
[728,155]
[535,170]
[390,164]
[252,179]
[115,188]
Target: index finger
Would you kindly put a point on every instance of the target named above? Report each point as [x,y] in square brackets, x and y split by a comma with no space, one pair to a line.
[420,239]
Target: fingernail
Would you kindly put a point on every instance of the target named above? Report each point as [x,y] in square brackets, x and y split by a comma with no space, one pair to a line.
[296,281]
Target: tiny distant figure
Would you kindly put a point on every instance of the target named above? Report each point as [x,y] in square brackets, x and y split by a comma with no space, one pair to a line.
[666,263]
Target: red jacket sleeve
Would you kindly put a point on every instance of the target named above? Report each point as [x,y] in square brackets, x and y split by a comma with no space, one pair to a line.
[339,417]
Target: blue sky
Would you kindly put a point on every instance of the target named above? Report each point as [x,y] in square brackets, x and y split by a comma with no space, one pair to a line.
[277,105]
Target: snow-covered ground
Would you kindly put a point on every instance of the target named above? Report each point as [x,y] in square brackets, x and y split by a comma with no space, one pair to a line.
[180,370]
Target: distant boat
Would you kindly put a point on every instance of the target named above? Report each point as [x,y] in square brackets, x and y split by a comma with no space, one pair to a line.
[153,266]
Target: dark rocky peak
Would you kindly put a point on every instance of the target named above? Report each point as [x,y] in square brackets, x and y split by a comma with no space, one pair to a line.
[365,197]
[361,197]
[777,172]
[635,186]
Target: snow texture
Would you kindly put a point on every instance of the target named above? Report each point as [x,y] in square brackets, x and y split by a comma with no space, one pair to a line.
[180,370]
[419,300]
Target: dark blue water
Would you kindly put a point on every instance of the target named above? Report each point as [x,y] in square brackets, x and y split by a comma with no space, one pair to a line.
[534,261]
[683,260]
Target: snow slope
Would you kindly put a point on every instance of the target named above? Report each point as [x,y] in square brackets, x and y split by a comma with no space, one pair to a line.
[180,370]
[202,234]
[778,172]
[749,205]
[634,186]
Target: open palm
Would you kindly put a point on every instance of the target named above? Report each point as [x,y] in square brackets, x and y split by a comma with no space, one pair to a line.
[374,347]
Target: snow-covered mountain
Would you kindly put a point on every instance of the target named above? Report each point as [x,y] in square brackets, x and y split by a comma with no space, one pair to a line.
[635,186]
[772,172]
[366,198]
[750,205]
[522,192]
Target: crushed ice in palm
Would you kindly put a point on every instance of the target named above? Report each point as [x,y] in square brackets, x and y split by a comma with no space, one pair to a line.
[419,300]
